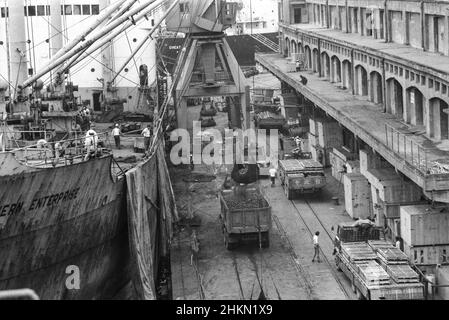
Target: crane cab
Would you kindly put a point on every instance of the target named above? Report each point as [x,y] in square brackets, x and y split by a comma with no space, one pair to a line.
[195,17]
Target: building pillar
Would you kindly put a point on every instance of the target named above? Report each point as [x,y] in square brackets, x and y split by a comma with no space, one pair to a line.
[423,27]
[353,20]
[404,27]
[427,113]
[360,21]
[446,33]
[406,106]
[386,22]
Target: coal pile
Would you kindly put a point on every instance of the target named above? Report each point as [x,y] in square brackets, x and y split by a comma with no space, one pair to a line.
[249,201]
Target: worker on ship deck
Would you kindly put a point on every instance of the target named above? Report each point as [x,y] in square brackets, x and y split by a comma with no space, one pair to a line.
[91,142]
[147,132]
[116,134]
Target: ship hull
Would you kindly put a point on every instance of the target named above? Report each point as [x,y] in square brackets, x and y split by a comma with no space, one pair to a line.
[56,222]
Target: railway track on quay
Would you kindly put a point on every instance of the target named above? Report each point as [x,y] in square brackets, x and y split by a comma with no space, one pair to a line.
[314,220]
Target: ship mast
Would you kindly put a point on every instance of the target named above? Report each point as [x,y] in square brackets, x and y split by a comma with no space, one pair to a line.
[18,56]
[107,56]
[56,43]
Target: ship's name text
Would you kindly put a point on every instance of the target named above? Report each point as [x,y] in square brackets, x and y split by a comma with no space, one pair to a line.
[37,203]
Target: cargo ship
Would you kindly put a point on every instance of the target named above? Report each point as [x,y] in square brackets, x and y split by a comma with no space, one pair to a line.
[66,211]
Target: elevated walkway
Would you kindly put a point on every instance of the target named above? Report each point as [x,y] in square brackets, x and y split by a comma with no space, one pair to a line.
[407,149]
[265,41]
[400,53]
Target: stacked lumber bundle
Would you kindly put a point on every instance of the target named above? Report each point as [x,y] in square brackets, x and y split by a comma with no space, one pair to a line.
[402,273]
[380,244]
[391,256]
[357,251]
[372,273]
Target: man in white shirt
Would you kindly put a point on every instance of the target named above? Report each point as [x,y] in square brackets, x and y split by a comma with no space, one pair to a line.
[147,136]
[90,142]
[398,243]
[272,172]
[316,247]
[116,134]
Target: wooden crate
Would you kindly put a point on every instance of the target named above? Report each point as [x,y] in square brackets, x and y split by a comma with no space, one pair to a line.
[427,255]
[422,225]
[358,251]
[392,255]
[357,195]
[373,274]
[330,134]
[378,244]
[402,273]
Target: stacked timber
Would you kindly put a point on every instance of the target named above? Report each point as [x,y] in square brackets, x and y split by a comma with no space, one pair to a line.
[372,273]
[402,273]
[391,256]
[379,244]
[357,252]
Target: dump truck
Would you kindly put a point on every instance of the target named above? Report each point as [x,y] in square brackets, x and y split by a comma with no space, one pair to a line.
[376,269]
[301,176]
[245,216]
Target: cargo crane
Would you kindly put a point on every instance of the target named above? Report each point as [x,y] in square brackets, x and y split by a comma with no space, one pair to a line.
[206,65]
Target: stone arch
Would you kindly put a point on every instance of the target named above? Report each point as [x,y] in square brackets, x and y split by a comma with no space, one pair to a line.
[361,81]
[315,57]
[294,47]
[335,69]
[439,121]
[394,98]
[376,92]
[414,106]
[325,65]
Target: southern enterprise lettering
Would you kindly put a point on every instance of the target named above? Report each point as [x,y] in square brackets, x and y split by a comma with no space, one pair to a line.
[54,199]
[37,203]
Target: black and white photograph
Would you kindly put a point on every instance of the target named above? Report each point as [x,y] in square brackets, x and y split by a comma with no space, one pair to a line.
[224,156]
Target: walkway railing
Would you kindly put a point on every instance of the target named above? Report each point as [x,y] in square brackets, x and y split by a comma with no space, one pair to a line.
[413,153]
[265,41]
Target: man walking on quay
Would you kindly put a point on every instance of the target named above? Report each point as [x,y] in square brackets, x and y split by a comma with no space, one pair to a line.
[116,134]
[316,247]
[147,136]
[272,172]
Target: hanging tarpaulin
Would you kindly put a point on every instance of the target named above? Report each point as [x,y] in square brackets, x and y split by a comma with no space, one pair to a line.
[142,196]
[151,212]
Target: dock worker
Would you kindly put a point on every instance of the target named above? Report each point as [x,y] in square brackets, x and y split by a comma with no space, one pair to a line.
[147,136]
[316,247]
[90,142]
[398,243]
[272,173]
[298,66]
[116,134]
[298,142]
